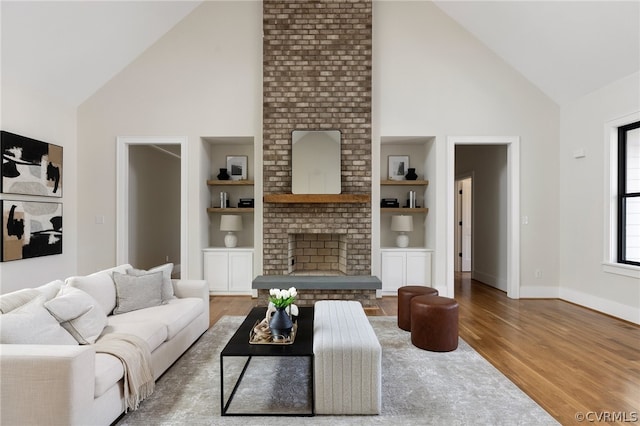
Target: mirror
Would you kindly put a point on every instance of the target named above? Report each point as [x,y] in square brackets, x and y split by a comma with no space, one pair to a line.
[315,159]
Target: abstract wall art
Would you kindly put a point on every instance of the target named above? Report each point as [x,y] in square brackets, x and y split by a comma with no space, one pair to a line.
[30,166]
[30,229]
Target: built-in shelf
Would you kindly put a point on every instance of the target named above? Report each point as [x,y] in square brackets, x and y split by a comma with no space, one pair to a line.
[404,210]
[230,210]
[230,182]
[405,182]
[317,198]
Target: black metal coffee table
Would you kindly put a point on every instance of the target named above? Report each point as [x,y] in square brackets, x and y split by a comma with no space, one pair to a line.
[239,346]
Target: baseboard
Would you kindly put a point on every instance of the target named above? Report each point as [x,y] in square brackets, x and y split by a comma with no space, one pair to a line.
[615,309]
[489,279]
[539,292]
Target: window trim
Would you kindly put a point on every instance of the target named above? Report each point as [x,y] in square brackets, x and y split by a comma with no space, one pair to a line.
[610,262]
[622,194]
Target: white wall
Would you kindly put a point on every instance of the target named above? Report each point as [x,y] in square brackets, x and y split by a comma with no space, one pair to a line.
[582,202]
[488,163]
[32,114]
[431,77]
[203,78]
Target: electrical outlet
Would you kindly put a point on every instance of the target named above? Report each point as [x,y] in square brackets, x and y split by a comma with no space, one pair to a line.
[538,273]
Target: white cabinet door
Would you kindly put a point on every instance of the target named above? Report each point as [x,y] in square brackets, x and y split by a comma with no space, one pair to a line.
[216,270]
[418,268]
[240,271]
[404,267]
[393,271]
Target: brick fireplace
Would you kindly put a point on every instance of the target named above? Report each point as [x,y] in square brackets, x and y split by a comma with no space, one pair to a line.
[317,75]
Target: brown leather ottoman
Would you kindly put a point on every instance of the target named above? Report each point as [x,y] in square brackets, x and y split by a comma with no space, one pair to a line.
[434,323]
[405,294]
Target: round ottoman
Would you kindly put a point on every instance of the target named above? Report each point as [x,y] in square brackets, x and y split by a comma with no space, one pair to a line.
[434,323]
[405,294]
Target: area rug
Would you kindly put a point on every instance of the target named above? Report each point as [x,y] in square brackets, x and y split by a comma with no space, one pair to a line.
[419,387]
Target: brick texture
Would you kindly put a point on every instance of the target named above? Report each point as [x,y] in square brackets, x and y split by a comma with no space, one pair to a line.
[308,297]
[317,75]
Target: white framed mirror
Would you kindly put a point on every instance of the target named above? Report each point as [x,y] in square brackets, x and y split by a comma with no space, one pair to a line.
[315,159]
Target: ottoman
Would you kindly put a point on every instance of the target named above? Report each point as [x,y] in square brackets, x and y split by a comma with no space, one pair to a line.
[405,294]
[434,323]
[347,366]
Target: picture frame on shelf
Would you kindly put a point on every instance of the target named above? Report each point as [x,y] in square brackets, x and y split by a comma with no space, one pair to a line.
[398,167]
[237,167]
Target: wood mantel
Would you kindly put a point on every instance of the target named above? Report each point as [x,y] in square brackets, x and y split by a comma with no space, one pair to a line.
[316,198]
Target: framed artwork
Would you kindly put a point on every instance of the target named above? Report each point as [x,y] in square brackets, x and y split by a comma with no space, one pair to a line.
[30,166]
[237,167]
[398,166]
[30,229]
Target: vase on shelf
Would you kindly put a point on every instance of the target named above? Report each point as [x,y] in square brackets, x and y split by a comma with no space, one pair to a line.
[223,175]
[280,324]
[411,174]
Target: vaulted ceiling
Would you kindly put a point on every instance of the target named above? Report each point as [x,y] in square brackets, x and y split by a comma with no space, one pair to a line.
[69,49]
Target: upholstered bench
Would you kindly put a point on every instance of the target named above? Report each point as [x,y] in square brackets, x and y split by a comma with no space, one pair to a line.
[348,360]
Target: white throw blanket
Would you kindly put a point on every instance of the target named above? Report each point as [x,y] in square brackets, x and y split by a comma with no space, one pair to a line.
[136,360]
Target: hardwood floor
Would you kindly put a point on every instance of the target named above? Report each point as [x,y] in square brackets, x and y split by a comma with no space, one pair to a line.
[567,358]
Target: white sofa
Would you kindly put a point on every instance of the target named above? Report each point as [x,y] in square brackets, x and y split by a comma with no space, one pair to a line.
[71,384]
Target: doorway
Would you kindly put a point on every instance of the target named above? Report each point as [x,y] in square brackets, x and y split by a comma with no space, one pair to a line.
[511,211]
[151,223]
[464,223]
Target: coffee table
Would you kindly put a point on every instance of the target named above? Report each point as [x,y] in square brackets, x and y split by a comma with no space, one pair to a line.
[239,346]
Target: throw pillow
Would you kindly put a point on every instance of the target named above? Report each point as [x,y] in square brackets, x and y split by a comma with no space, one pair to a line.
[32,324]
[133,293]
[167,286]
[100,286]
[50,290]
[79,314]
[13,300]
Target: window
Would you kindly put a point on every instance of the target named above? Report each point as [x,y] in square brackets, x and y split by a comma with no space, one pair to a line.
[628,229]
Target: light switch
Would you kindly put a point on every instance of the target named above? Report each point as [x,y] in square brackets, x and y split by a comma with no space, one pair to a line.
[100,220]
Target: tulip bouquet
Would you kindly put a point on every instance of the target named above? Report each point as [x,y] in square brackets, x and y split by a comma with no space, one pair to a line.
[282,298]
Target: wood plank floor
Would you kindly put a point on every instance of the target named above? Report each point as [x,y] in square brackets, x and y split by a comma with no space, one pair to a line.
[567,358]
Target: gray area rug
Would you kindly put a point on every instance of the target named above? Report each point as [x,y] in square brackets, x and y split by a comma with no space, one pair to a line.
[419,387]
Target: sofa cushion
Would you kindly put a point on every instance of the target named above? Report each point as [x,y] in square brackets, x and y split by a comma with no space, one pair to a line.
[167,286]
[33,324]
[151,331]
[78,313]
[137,292]
[13,300]
[100,286]
[109,371]
[174,316]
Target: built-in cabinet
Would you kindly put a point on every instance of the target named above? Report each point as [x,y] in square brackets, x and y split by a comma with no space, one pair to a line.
[401,267]
[228,270]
